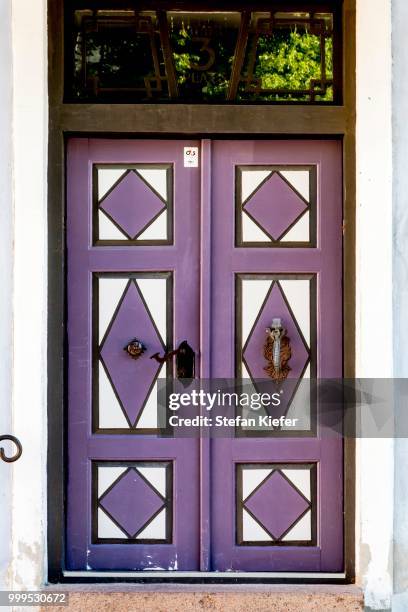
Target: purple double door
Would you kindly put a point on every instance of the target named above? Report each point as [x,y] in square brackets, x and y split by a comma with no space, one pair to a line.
[161,249]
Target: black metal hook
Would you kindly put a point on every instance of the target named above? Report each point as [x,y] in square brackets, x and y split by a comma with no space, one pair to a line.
[17,455]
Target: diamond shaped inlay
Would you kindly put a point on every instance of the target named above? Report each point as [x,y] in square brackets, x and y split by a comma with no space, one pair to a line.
[276,504]
[131,379]
[274,306]
[131,502]
[132,204]
[275,206]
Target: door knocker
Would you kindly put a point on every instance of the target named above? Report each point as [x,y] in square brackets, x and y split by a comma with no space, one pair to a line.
[277,351]
[135,348]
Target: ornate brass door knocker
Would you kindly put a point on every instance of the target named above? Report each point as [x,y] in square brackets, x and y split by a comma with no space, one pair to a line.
[277,351]
[135,348]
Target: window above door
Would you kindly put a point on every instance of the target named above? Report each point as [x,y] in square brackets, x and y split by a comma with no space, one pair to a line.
[272,53]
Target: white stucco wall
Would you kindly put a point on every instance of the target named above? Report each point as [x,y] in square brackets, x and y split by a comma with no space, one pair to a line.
[6,237]
[27,337]
[375,458]
[30,125]
[400,163]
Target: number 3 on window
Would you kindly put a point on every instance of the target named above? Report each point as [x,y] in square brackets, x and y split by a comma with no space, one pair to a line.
[204,49]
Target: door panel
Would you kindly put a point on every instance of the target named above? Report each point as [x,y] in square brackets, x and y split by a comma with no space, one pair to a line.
[277,499]
[159,253]
[259,298]
[129,267]
[275,205]
[125,390]
[133,204]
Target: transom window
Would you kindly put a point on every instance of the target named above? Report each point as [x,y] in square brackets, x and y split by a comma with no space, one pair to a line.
[236,56]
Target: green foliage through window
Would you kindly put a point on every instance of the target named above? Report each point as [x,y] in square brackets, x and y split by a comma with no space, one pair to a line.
[288,62]
[288,58]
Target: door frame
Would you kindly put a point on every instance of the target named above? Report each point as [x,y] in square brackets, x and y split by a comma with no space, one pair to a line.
[163,121]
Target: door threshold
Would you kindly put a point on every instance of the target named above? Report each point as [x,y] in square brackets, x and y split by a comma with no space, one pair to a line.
[141,575]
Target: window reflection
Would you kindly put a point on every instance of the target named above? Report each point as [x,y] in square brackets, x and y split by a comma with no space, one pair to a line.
[289,58]
[241,56]
[203,46]
[118,52]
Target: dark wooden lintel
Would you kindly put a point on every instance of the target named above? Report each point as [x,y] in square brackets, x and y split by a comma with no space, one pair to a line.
[201,119]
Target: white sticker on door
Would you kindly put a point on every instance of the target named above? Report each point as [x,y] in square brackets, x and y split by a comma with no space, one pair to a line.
[191,157]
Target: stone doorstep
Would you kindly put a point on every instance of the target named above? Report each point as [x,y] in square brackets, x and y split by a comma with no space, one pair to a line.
[191,598]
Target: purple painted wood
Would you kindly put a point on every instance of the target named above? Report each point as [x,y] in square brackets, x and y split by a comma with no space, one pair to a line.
[132,204]
[326,262]
[132,378]
[132,502]
[275,206]
[205,344]
[252,355]
[291,505]
[84,447]
[204,486]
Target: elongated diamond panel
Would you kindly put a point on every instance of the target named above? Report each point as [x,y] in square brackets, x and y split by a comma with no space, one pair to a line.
[274,305]
[131,379]
[291,298]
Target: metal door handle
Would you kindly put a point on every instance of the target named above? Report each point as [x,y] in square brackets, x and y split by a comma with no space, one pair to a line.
[17,455]
[185,360]
[166,357]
